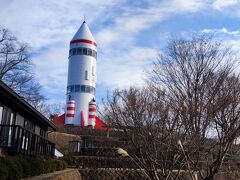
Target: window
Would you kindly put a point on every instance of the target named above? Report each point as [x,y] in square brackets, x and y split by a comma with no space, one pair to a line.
[86,75]
[94,54]
[37,130]
[42,133]
[7,116]
[10,129]
[77,88]
[29,125]
[79,51]
[19,120]
[92,90]
[93,71]
[83,88]
[84,51]
[88,89]
[90,52]
[71,88]
[74,51]
[1,114]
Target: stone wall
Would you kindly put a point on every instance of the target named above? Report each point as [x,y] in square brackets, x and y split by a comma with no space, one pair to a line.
[67,174]
[61,140]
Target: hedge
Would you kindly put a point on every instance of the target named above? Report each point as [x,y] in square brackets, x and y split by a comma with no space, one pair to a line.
[17,167]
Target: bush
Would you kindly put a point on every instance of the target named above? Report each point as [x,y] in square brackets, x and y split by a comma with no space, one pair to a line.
[3,171]
[26,166]
[48,166]
[37,166]
[60,164]
[68,159]
[17,167]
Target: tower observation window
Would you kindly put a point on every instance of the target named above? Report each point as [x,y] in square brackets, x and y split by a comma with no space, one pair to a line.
[89,52]
[74,51]
[88,89]
[95,54]
[71,52]
[72,89]
[77,88]
[79,51]
[81,88]
[83,51]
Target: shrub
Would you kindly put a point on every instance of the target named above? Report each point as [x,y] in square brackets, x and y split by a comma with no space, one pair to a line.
[68,159]
[3,171]
[48,166]
[60,164]
[25,162]
[37,166]
[17,167]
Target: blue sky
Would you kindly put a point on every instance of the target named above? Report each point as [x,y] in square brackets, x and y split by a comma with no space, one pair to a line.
[129,33]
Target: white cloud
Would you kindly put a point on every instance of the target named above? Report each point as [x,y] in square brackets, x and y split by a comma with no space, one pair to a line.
[125,69]
[190,5]
[222,31]
[51,68]
[234,44]
[227,37]
[221,4]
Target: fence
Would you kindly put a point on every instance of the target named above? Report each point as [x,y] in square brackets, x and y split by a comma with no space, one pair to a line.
[16,139]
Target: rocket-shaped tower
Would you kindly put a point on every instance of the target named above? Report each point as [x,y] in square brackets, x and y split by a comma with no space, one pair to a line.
[81,85]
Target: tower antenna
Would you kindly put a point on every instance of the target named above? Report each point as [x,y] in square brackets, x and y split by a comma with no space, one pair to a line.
[84,18]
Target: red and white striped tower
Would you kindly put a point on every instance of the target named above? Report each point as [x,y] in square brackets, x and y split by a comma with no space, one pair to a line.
[70,112]
[92,113]
[81,85]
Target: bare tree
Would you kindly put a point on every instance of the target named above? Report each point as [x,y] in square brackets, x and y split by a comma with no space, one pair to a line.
[187,119]
[54,110]
[152,128]
[197,75]
[16,68]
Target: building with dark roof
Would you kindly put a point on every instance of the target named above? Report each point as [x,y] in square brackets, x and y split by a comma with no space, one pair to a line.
[23,129]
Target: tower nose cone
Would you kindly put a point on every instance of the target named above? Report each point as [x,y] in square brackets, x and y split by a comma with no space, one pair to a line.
[83,33]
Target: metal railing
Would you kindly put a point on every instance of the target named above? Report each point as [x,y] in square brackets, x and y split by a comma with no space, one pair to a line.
[18,140]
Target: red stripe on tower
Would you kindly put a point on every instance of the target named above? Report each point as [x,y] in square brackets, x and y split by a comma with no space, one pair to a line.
[70,102]
[70,115]
[91,116]
[92,113]
[83,41]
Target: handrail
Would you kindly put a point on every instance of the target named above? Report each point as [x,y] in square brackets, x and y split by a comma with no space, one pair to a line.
[17,139]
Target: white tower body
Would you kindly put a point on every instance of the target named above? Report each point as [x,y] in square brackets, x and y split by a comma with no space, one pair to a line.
[81,83]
